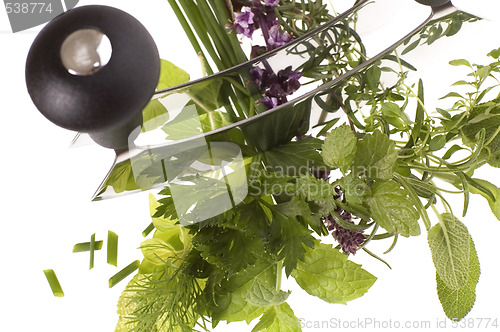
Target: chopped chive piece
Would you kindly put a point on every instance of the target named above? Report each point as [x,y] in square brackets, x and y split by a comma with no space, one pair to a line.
[85,246]
[148,230]
[125,272]
[54,283]
[92,248]
[112,248]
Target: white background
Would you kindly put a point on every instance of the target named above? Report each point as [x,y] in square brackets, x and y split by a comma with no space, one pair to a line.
[45,207]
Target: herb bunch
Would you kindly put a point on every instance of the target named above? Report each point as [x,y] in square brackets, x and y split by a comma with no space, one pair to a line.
[372,175]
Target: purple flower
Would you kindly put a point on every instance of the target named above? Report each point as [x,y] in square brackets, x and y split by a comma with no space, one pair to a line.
[269,102]
[244,22]
[277,38]
[275,87]
[271,3]
[349,240]
[289,80]
[257,50]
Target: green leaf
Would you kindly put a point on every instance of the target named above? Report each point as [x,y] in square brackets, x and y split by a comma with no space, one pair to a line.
[278,319]
[287,236]
[339,148]
[494,204]
[122,177]
[329,275]
[317,191]
[376,156]
[392,209]
[262,294]
[452,94]
[495,54]
[171,75]
[411,47]
[450,247]
[295,158]
[355,193]
[457,303]
[228,299]
[437,143]
[484,118]
[392,113]
[154,115]
[230,250]
[460,62]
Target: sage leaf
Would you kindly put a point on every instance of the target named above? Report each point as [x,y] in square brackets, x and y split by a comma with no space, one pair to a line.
[393,209]
[376,156]
[450,248]
[329,275]
[339,148]
[457,303]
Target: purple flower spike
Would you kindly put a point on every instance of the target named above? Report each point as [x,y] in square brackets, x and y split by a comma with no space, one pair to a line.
[271,3]
[243,22]
[277,38]
[349,240]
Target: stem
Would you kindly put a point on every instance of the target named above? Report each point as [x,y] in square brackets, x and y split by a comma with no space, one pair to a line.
[279,273]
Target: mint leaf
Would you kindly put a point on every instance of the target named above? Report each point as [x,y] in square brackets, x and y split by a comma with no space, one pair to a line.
[494,204]
[278,319]
[375,156]
[295,158]
[392,209]
[228,299]
[450,248]
[339,148]
[457,303]
[263,294]
[317,191]
[288,237]
[329,275]
[171,75]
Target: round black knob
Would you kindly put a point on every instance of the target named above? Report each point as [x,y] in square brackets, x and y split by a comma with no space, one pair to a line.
[93,69]
[433,3]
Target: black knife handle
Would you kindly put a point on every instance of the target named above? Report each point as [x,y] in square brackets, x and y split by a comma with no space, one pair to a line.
[106,103]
